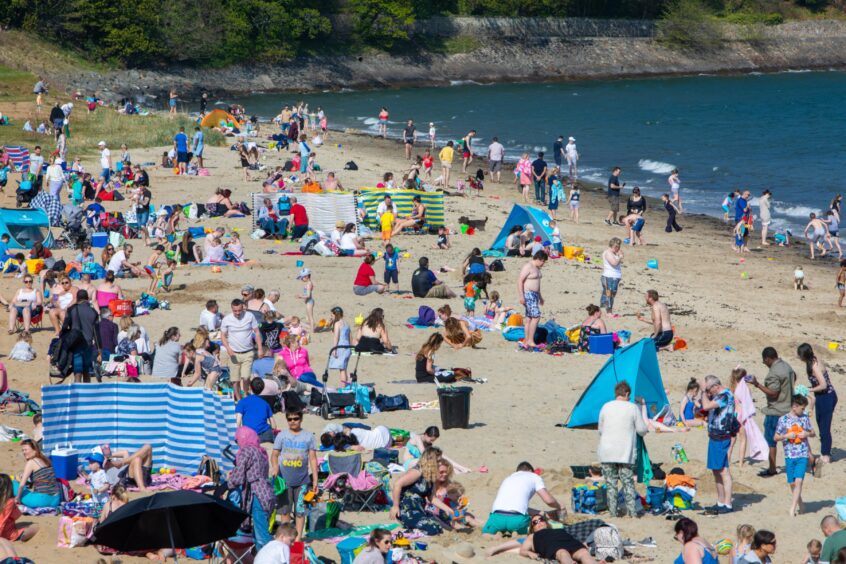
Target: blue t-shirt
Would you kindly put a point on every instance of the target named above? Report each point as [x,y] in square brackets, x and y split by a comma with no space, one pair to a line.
[739,208]
[718,418]
[181,142]
[391,261]
[199,140]
[615,182]
[254,413]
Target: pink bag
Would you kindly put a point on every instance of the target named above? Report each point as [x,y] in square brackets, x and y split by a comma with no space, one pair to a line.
[74,531]
[203,172]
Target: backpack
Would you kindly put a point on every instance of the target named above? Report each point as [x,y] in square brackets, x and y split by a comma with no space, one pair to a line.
[497,266]
[392,403]
[351,166]
[426,316]
[607,543]
[283,204]
[208,467]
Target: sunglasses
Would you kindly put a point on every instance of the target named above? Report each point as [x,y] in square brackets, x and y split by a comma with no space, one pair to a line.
[536,520]
[293,418]
[385,541]
[28,281]
[64,282]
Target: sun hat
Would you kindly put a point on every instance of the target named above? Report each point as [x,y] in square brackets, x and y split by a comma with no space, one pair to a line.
[572,139]
[340,224]
[96,457]
[101,144]
[303,273]
[529,227]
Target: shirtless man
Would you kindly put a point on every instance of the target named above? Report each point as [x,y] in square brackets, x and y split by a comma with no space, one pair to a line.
[662,332]
[529,290]
[820,234]
[136,466]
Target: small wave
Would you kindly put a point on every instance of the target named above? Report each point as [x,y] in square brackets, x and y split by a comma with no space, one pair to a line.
[656,167]
[463,82]
[715,169]
[370,121]
[797,71]
[794,211]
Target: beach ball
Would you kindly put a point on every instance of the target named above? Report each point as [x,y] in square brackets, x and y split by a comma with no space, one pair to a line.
[724,547]
[653,264]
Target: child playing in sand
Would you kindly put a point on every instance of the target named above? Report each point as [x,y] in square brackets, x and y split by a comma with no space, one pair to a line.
[794,429]
[391,257]
[690,405]
[555,237]
[799,279]
[165,275]
[743,545]
[573,202]
[428,161]
[728,204]
[741,236]
[308,295]
[456,499]
[472,292]
[443,240]
[494,310]
[22,350]
[151,270]
[814,552]
[840,283]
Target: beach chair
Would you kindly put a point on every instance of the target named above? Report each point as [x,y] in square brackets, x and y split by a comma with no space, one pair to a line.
[347,475]
[234,550]
[35,321]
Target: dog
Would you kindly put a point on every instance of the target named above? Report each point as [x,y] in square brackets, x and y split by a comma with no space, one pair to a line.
[477,224]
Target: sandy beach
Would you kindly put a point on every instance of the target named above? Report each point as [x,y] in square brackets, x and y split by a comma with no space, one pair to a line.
[514,416]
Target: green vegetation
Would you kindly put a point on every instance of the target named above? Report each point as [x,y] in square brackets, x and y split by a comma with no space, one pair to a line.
[87,129]
[208,33]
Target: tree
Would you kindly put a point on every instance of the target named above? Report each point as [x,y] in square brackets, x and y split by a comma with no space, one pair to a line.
[382,23]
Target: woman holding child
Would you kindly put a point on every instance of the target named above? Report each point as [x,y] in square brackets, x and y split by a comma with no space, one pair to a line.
[415,490]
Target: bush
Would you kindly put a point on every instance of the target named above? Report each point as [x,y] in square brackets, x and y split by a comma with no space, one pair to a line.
[689,26]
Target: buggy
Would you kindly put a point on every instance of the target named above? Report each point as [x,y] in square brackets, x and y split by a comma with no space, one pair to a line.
[339,404]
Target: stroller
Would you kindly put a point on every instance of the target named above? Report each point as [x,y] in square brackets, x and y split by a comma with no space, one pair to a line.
[26,190]
[333,404]
[74,234]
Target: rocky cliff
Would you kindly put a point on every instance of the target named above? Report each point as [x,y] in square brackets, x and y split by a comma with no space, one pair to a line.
[516,50]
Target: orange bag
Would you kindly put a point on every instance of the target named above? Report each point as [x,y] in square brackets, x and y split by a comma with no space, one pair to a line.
[121,308]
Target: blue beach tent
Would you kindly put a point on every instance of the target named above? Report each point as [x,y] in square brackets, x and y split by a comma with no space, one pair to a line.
[26,227]
[637,364]
[523,215]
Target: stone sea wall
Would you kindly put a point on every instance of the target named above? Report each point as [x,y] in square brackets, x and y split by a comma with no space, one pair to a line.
[510,50]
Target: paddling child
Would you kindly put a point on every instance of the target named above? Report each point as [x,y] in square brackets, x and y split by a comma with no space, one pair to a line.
[799,279]
[728,204]
[308,295]
[818,235]
[793,430]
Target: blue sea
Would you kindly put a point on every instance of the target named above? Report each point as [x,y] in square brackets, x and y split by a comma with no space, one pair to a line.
[779,131]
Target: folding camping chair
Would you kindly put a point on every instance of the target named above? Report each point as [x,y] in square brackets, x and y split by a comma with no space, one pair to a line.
[36,319]
[234,550]
[349,466]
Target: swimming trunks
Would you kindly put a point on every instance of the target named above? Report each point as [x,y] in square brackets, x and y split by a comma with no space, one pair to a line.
[663,339]
[532,304]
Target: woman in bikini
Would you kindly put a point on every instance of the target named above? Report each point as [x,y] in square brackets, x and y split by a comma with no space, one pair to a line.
[592,325]
[416,220]
[220,204]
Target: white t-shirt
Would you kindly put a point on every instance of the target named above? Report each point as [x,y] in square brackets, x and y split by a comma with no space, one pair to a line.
[239,332]
[571,152]
[99,479]
[496,151]
[209,320]
[380,437]
[55,174]
[609,270]
[117,260]
[335,236]
[105,158]
[274,552]
[516,491]
[36,163]
[382,208]
[270,305]
[348,241]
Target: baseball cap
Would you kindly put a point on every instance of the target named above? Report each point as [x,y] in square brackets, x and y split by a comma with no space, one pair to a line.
[95,457]
[538,238]
[247,288]
[572,139]
[303,273]
[101,144]
[529,227]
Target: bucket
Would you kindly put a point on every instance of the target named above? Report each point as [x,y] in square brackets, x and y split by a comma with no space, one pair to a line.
[653,264]
[832,346]
[680,345]
[455,407]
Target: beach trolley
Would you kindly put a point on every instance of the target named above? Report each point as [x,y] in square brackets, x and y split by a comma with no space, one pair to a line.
[342,404]
[26,227]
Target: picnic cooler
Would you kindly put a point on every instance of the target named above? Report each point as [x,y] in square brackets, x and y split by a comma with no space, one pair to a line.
[455,407]
[349,548]
[99,240]
[601,344]
[121,308]
[65,462]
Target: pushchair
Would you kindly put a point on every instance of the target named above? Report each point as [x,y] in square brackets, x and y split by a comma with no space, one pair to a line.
[26,190]
[334,404]
[74,234]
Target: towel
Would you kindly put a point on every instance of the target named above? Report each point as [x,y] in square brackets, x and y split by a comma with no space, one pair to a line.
[756,445]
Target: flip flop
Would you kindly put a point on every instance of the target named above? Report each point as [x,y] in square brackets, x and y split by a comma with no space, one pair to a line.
[767,473]
[483,469]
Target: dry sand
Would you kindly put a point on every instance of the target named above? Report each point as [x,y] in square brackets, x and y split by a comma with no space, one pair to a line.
[514,415]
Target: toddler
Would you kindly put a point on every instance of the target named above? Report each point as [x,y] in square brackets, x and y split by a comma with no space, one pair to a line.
[456,499]
[308,295]
[443,240]
[97,478]
[391,257]
[743,545]
[22,350]
[799,279]
[494,310]
[814,552]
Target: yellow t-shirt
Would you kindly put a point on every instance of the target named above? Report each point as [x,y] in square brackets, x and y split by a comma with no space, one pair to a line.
[446,154]
[387,221]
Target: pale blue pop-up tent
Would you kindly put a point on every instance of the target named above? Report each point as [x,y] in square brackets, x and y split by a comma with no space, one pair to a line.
[637,364]
[524,215]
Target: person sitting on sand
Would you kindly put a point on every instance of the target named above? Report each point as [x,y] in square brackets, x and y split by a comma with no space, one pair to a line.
[418,443]
[9,514]
[695,548]
[38,486]
[453,495]
[495,311]
[592,325]
[424,283]
[556,545]
[412,492]
[372,335]
[416,219]
[654,425]
[425,370]
[510,511]
[458,335]
[690,405]
[220,204]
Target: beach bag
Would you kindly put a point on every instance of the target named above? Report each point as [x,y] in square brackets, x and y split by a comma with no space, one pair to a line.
[321,249]
[121,308]
[497,266]
[392,403]
[608,543]
[208,467]
[116,239]
[351,166]
[425,316]
[74,531]
[323,515]
[191,212]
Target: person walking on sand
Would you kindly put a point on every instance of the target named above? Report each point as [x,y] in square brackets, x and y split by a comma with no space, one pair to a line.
[180,145]
[445,156]
[529,290]
[198,145]
[778,389]
[467,141]
[718,401]
[614,190]
[612,273]
[496,152]
[764,203]
[620,424]
[662,328]
[675,184]
[409,136]
[672,211]
[820,234]
[793,430]
[572,155]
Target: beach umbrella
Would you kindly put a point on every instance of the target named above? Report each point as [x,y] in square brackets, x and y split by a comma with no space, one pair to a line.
[180,519]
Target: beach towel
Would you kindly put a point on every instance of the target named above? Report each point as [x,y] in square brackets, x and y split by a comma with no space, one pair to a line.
[643,466]
[411,323]
[756,445]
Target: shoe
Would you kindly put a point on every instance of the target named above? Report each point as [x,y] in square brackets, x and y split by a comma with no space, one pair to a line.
[607,222]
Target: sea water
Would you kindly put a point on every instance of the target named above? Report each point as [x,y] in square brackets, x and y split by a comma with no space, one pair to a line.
[780,131]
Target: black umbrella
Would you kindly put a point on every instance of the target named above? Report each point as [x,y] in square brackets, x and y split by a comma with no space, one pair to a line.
[180,519]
